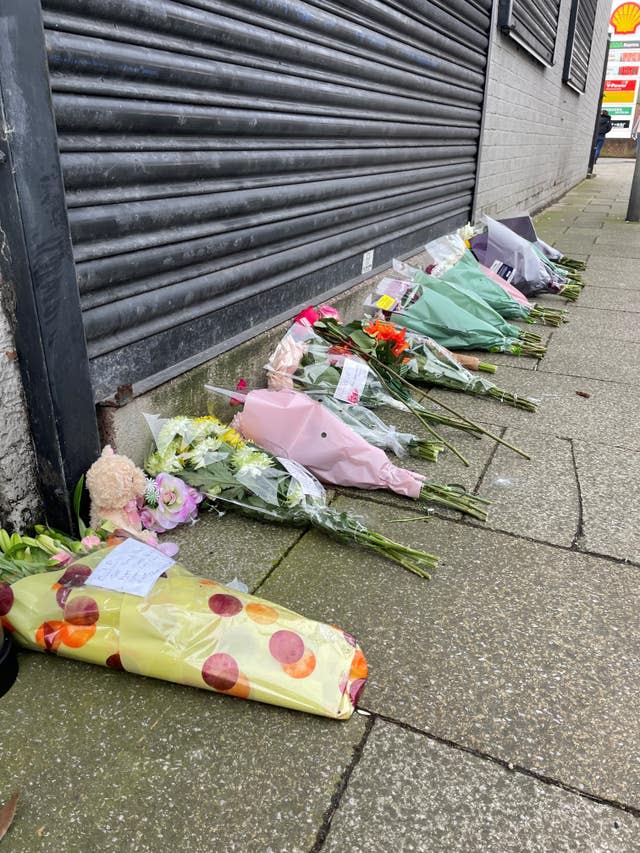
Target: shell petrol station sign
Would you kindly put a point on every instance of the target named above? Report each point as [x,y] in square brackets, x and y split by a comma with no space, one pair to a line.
[623,70]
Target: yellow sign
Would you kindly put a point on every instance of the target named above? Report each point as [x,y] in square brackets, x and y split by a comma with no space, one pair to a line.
[618,97]
[385,303]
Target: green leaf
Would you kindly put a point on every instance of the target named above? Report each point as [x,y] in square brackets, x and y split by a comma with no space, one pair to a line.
[363,341]
[77,500]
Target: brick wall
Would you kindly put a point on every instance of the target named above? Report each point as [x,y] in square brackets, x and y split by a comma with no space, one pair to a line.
[538,131]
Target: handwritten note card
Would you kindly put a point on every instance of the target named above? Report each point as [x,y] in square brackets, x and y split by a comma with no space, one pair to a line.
[131,567]
[352,380]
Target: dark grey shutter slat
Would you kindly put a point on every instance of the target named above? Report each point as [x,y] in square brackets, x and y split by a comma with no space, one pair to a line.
[578,52]
[533,23]
[225,162]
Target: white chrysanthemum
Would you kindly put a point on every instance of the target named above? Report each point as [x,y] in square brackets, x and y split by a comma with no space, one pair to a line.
[296,495]
[248,460]
[207,428]
[174,427]
[203,452]
[159,463]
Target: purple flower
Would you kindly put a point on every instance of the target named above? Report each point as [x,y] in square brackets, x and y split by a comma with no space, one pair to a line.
[177,504]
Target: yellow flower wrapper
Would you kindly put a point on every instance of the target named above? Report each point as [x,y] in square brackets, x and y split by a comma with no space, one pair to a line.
[191,631]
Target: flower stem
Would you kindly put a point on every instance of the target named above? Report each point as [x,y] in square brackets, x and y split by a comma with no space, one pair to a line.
[513,400]
[453,498]
[548,316]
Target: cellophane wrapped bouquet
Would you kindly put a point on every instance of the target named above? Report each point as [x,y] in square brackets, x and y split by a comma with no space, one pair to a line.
[235,474]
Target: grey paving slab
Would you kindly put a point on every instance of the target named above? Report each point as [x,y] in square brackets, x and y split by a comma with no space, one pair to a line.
[613,237]
[610,299]
[409,793]
[111,762]
[229,546]
[572,244]
[610,499]
[562,411]
[627,250]
[538,499]
[527,652]
[613,272]
[595,358]
[602,326]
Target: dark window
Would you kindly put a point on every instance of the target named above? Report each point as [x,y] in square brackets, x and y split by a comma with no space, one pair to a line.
[533,24]
[576,62]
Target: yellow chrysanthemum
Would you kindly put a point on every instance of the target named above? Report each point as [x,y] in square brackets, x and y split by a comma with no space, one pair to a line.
[232,437]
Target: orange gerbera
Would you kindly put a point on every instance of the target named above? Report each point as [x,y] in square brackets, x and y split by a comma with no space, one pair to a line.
[386,332]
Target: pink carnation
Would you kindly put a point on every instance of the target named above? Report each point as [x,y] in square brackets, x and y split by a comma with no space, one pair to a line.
[309,314]
[329,311]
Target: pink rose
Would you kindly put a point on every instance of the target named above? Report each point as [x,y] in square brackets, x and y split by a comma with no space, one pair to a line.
[177,504]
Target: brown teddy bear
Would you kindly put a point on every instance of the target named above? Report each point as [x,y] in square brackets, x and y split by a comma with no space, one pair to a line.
[115,484]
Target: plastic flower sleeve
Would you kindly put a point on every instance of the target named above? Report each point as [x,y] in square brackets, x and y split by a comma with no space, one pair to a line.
[290,424]
[467,274]
[190,631]
[439,318]
[529,273]
[524,227]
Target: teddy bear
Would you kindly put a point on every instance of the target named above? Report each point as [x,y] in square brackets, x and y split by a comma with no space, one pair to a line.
[115,484]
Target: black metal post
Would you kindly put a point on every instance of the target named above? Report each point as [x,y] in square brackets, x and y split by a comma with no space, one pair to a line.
[592,156]
[633,210]
[36,264]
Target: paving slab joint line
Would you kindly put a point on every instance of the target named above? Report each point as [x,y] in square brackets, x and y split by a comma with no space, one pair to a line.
[282,557]
[506,765]
[539,360]
[501,433]
[610,558]
[341,787]
[579,534]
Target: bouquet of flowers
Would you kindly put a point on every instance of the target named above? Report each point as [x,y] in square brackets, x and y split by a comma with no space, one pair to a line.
[468,275]
[233,473]
[383,349]
[517,260]
[184,629]
[450,316]
[524,227]
[365,423]
[468,299]
[292,425]
[433,364]
[303,360]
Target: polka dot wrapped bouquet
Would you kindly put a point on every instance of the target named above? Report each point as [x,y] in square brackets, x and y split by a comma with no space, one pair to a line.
[190,631]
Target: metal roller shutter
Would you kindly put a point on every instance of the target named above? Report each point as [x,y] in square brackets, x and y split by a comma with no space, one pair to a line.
[225,162]
[576,68]
[533,24]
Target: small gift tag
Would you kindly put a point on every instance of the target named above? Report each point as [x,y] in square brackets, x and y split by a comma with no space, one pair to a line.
[131,567]
[502,269]
[310,486]
[386,302]
[352,380]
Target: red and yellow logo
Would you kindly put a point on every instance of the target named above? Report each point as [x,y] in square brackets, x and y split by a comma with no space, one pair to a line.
[625,19]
